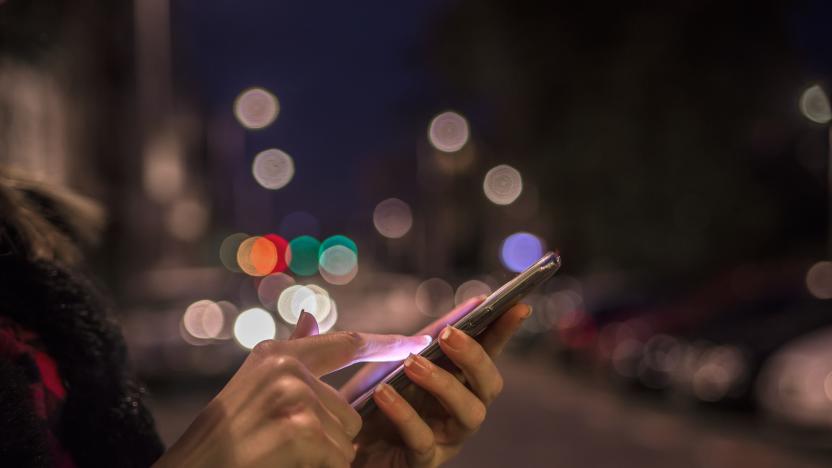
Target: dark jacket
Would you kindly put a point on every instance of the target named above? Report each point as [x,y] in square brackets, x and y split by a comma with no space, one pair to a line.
[103,421]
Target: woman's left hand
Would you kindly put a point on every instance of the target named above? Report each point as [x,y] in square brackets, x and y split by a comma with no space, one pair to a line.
[428,425]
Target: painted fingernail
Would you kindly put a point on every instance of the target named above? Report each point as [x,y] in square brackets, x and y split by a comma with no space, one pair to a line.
[307,320]
[385,393]
[450,336]
[418,365]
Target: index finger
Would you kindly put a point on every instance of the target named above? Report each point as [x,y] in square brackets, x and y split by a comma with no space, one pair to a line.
[323,354]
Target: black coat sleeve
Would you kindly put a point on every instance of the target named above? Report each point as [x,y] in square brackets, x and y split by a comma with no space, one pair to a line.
[22,433]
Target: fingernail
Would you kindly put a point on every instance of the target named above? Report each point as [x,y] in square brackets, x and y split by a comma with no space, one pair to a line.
[418,365]
[450,336]
[304,317]
[528,312]
[384,393]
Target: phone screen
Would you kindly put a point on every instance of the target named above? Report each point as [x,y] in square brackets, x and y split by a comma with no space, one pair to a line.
[473,322]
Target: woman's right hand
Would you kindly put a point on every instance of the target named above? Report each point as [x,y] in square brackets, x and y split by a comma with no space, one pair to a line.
[275,411]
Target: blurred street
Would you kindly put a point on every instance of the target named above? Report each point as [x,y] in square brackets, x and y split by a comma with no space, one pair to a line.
[549,417]
[377,164]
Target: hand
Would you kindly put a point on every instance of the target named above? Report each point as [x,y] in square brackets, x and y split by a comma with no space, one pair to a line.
[429,423]
[275,411]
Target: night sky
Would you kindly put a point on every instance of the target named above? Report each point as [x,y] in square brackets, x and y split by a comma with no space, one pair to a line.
[347,75]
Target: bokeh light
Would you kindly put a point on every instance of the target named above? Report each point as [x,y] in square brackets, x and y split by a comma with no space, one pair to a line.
[228,251]
[310,298]
[304,261]
[338,257]
[393,218]
[203,319]
[257,256]
[814,104]
[284,253]
[448,132]
[719,371]
[253,326]
[338,240]
[819,280]
[284,304]
[273,169]
[163,171]
[434,297]
[520,250]
[187,219]
[339,279]
[469,289]
[318,303]
[330,320]
[256,108]
[270,287]
[502,184]
[338,260]
[229,313]
[299,223]
[662,355]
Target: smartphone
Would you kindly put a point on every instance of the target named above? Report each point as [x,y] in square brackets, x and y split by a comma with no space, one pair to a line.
[473,323]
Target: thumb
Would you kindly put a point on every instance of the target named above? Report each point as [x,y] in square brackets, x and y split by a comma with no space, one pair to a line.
[323,354]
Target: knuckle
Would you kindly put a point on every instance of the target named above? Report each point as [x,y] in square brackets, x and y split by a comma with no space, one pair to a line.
[289,389]
[286,364]
[264,348]
[283,387]
[478,353]
[304,394]
[351,454]
[477,416]
[353,339]
[307,427]
[423,446]
[354,423]
[470,352]
[497,386]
